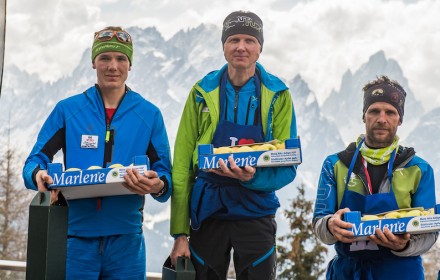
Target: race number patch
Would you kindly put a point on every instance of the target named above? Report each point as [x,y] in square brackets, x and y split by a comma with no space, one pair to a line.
[89,141]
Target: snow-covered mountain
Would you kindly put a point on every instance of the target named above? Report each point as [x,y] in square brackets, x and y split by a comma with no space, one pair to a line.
[164,71]
[319,137]
[344,107]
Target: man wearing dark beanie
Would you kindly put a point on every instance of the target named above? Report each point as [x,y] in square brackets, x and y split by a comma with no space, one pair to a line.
[105,124]
[231,207]
[242,22]
[384,90]
[374,175]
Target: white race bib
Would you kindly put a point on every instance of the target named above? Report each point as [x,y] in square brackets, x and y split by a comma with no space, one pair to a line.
[89,141]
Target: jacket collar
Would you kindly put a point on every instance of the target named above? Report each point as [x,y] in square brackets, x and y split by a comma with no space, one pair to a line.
[212,80]
[130,100]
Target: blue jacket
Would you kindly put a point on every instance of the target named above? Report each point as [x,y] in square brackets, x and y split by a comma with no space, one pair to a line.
[413,186]
[138,130]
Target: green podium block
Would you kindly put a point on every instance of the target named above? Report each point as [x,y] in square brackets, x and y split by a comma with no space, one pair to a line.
[47,238]
[184,270]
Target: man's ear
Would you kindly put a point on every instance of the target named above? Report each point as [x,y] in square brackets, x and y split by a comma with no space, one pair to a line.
[93,65]
[129,68]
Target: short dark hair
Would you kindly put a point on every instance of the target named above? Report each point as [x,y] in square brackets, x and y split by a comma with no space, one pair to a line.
[382,79]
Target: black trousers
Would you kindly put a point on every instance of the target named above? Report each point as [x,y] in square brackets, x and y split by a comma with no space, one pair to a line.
[253,242]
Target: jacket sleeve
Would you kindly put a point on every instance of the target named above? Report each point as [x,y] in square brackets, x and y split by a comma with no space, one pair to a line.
[50,140]
[326,203]
[425,193]
[161,148]
[283,127]
[423,197]
[183,173]
[418,244]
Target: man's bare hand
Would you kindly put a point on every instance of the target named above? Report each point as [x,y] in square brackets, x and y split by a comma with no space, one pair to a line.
[339,228]
[142,184]
[180,249]
[43,179]
[386,238]
[243,174]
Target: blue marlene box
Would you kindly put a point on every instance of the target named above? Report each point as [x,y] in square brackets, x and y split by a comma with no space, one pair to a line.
[289,154]
[90,183]
[414,224]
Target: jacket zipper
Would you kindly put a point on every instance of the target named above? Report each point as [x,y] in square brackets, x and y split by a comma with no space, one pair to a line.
[236,106]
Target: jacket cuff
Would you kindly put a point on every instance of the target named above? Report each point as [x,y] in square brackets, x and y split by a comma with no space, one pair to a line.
[164,189]
[175,236]
[34,175]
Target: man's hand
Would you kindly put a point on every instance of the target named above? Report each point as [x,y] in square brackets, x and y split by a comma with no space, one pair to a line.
[43,179]
[142,184]
[339,228]
[386,238]
[180,249]
[243,174]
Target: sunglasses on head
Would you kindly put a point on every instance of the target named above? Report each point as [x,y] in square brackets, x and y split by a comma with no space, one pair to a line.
[107,34]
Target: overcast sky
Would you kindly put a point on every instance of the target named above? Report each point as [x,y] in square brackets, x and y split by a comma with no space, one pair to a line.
[319,39]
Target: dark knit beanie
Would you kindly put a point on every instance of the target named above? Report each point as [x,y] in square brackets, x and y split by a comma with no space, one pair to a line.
[242,22]
[384,90]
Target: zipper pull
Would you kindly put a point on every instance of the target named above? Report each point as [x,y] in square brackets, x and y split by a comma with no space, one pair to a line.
[107,136]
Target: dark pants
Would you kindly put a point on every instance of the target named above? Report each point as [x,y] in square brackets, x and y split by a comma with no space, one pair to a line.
[252,240]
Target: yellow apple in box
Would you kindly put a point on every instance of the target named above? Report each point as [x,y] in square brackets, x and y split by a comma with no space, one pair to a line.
[116,165]
[280,146]
[413,213]
[425,213]
[256,147]
[223,150]
[73,169]
[235,149]
[94,167]
[392,215]
[245,149]
[266,147]
[402,214]
[369,217]
[431,211]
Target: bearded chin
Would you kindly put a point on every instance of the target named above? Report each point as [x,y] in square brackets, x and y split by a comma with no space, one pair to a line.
[377,142]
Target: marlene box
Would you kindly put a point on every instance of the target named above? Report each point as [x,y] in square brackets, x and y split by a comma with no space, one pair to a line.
[272,153]
[426,220]
[90,183]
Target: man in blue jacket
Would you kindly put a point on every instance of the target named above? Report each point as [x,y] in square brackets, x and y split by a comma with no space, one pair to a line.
[373,175]
[106,124]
